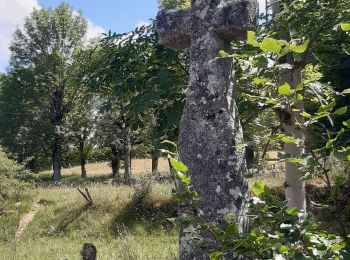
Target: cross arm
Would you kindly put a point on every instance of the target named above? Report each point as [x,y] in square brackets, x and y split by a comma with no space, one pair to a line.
[173,27]
[234,18]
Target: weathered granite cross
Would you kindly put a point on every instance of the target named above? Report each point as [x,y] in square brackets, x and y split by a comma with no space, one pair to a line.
[210,129]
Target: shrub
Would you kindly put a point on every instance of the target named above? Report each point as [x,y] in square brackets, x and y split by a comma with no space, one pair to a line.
[12,176]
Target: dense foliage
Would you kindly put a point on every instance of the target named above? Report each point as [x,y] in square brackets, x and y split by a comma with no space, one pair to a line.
[40,87]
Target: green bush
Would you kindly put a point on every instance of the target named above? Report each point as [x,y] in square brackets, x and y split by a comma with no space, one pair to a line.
[12,176]
[277,232]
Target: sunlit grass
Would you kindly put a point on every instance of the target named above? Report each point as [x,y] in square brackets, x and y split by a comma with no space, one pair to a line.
[64,222]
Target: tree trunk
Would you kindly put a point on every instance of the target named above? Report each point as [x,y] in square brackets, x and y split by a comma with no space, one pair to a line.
[155,160]
[127,154]
[58,113]
[155,155]
[294,187]
[82,159]
[57,158]
[115,162]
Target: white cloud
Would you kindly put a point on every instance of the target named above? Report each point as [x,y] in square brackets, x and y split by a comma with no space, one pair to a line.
[94,30]
[142,23]
[12,14]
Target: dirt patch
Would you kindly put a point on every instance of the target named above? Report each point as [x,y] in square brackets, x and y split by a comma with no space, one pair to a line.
[26,219]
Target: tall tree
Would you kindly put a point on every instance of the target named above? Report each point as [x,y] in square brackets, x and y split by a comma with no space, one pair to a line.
[142,77]
[46,45]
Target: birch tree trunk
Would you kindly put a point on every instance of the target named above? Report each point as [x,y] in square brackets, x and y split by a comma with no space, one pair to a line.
[294,187]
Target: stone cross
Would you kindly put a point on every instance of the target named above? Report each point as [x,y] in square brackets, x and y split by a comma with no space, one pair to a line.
[210,130]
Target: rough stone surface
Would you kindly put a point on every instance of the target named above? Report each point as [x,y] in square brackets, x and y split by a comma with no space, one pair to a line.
[210,128]
[88,252]
[173,24]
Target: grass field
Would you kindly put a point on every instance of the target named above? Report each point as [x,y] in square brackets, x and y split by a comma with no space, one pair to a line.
[124,222]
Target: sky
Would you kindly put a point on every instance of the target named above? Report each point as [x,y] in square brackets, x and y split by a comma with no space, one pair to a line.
[103,15]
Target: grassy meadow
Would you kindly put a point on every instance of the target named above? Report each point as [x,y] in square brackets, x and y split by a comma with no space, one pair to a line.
[124,222]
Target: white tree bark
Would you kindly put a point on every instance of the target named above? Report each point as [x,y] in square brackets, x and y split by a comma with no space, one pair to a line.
[294,187]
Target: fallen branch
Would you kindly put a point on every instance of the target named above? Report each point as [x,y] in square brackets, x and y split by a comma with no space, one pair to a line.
[87,196]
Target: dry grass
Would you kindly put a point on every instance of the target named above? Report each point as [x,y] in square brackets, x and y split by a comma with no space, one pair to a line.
[138,166]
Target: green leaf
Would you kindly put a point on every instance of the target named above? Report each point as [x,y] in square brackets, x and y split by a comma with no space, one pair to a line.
[347,123]
[284,249]
[326,108]
[258,81]
[336,248]
[258,188]
[284,89]
[232,229]
[294,160]
[270,44]
[216,256]
[346,91]
[251,39]
[329,143]
[341,111]
[185,179]
[299,87]
[345,26]
[289,140]
[306,115]
[292,211]
[178,166]
[271,102]
[300,97]
[299,48]
[223,54]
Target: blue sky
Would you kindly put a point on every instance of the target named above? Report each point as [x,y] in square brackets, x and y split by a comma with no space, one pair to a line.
[116,15]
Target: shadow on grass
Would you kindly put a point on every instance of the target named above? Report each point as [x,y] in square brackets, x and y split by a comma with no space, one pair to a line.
[69,217]
[145,213]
